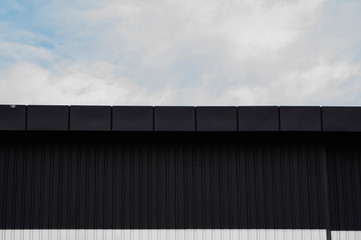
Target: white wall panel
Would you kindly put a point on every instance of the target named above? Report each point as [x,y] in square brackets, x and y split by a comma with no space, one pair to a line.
[171,234]
[346,235]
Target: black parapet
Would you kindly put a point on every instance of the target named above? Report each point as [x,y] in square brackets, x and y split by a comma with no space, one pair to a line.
[12,117]
[300,119]
[90,118]
[48,118]
[258,118]
[341,119]
[174,118]
[216,119]
[132,118]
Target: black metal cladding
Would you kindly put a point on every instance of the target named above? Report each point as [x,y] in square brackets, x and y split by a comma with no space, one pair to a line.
[344,173]
[174,119]
[342,119]
[48,118]
[178,119]
[300,119]
[90,118]
[180,171]
[258,118]
[13,118]
[159,185]
[216,118]
[127,118]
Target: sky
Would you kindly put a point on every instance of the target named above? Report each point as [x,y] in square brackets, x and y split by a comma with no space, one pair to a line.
[180,52]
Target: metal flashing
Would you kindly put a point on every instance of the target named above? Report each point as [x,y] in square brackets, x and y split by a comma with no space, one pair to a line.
[129,118]
[216,119]
[174,118]
[300,118]
[180,118]
[341,119]
[48,118]
[12,117]
[258,118]
[90,118]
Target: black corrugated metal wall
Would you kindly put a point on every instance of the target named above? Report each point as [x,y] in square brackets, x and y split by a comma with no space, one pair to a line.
[175,186]
[344,174]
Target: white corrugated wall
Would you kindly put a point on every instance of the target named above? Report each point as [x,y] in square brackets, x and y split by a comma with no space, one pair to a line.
[162,234]
[346,235]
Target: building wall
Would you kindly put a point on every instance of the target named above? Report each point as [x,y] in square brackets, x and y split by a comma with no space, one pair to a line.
[185,190]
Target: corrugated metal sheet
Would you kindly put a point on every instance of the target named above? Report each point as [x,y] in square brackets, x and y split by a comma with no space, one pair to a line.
[189,234]
[161,186]
[344,172]
[346,235]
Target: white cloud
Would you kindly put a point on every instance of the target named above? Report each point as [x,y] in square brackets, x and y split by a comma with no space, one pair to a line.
[319,84]
[24,52]
[200,52]
[93,83]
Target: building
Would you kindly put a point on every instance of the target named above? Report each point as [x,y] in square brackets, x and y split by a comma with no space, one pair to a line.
[101,172]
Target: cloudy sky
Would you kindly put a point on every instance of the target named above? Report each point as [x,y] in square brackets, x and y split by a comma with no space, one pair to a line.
[180,52]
